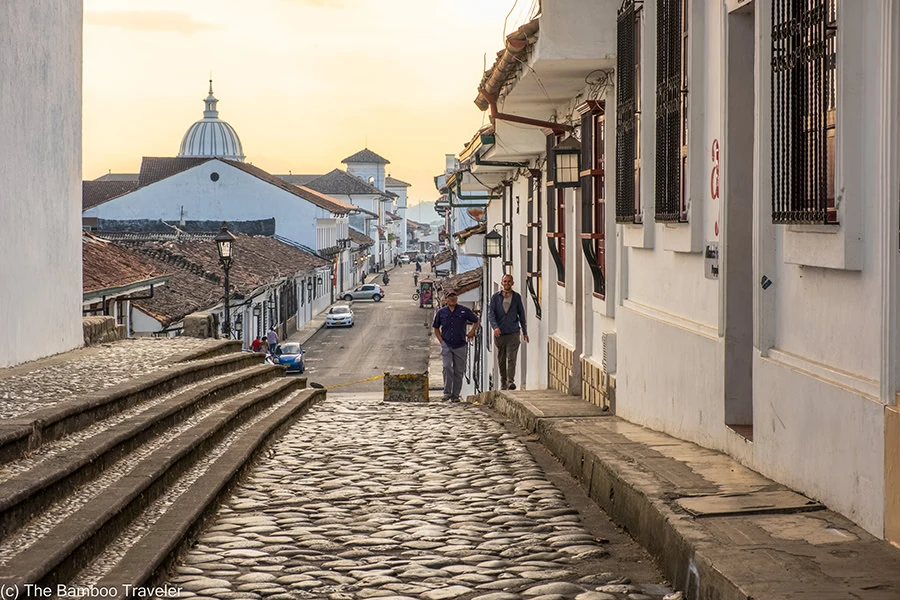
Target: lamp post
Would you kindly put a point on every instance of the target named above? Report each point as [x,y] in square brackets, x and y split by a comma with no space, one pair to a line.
[225,246]
[493,243]
[566,156]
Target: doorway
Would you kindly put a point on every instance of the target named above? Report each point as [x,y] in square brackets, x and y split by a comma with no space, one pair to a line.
[737,205]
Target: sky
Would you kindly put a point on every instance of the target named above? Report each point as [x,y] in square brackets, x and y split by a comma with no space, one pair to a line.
[305,83]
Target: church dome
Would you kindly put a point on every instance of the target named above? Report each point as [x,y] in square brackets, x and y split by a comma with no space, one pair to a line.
[211,136]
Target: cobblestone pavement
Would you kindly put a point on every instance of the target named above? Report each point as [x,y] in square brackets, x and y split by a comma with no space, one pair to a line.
[32,386]
[365,499]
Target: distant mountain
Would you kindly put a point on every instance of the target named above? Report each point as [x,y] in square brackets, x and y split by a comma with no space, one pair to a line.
[423,212]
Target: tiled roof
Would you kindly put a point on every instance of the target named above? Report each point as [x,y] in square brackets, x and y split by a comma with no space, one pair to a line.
[106,266]
[443,256]
[98,192]
[462,282]
[414,224]
[341,182]
[298,179]
[508,64]
[470,231]
[360,238]
[393,216]
[366,156]
[118,177]
[394,182]
[197,275]
[108,226]
[155,168]
[369,213]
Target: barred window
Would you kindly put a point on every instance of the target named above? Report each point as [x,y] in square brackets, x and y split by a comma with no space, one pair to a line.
[804,110]
[533,258]
[628,114]
[671,110]
[593,194]
[556,213]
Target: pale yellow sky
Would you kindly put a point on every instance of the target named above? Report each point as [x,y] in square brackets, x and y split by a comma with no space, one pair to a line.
[305,83]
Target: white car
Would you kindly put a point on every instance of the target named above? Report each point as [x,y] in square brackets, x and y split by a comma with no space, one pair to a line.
[366,291]
[340,315]
[404,259]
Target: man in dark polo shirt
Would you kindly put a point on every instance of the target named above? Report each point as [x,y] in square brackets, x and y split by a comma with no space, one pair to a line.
[450,330]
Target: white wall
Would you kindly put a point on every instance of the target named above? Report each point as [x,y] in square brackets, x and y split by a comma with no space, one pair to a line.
[236,196]
[40,178]
[365,171]
[142,323]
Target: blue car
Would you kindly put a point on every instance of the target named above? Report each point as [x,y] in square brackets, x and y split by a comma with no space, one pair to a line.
[290,355]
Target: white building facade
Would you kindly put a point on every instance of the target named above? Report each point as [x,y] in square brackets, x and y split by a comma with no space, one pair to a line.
[40,183]
[728,257]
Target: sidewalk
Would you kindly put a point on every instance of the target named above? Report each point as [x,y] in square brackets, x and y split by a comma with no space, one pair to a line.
[717,529]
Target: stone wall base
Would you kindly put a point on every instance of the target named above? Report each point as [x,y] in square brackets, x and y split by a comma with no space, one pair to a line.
[200,325]
[101,330]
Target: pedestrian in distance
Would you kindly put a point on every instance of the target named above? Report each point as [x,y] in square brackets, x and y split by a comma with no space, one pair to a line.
[418,266]
[272,339]
[256,346]
[385,279]
[450,330]
[506,314]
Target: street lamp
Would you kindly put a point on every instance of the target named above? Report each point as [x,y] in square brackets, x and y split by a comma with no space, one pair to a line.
[566,156]
[493,243]
[225,246]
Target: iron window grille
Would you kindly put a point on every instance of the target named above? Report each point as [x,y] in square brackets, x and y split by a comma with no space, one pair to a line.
[628,113]
[804,111]
[533,251]
[556,215]
[593,195]
[671,110]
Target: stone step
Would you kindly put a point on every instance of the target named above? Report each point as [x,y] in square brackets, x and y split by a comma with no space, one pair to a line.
[27,432]
[28,493]
[58,554]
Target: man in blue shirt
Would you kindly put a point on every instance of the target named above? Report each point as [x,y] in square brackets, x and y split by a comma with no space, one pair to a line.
[450,330]
[506,314]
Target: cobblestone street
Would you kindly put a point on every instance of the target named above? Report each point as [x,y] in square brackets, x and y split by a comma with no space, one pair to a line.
[43,383]
[362,499]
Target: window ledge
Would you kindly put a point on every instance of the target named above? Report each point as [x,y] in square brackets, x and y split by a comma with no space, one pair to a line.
[637,235]
[826,246]
[681,237]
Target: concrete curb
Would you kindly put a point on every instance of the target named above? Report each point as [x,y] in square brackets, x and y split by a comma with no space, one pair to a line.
[28,431]
[57,556]
[637,476]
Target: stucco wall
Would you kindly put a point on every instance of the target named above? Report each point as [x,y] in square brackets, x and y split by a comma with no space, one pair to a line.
[40,178]
[821,440]
[235,196]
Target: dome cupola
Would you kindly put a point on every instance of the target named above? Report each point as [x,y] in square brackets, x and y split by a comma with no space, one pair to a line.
[211,136]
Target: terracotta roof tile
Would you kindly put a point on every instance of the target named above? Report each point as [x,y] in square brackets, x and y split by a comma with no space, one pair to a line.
[98,192]
[443,256]
[470,231]
[197,275]
[366,156]
[342,182]
[394,182]
[105,266]
[462,282]
[360,238]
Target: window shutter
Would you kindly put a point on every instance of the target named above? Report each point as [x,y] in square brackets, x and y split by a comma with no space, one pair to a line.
[668,110]
[625,113]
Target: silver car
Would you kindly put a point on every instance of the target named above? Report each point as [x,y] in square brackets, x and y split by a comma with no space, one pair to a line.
[367,291]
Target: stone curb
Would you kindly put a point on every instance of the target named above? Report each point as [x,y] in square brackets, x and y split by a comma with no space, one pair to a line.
[145,563]
[61,552]
[28,431]
[732,556]
[31,491]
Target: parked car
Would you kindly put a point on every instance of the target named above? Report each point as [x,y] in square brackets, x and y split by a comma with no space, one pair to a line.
[340,315]
[366,291]
[290,355]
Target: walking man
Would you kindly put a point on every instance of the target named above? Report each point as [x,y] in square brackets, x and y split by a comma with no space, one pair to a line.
[272,339]
[506,314]
[450,330]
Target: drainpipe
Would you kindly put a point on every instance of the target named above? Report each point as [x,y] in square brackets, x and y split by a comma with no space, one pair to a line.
[555,127]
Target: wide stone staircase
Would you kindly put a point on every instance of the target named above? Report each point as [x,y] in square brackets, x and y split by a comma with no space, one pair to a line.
[101,491]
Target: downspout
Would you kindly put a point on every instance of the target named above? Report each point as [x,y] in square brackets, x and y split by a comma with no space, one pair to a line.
[555,127]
